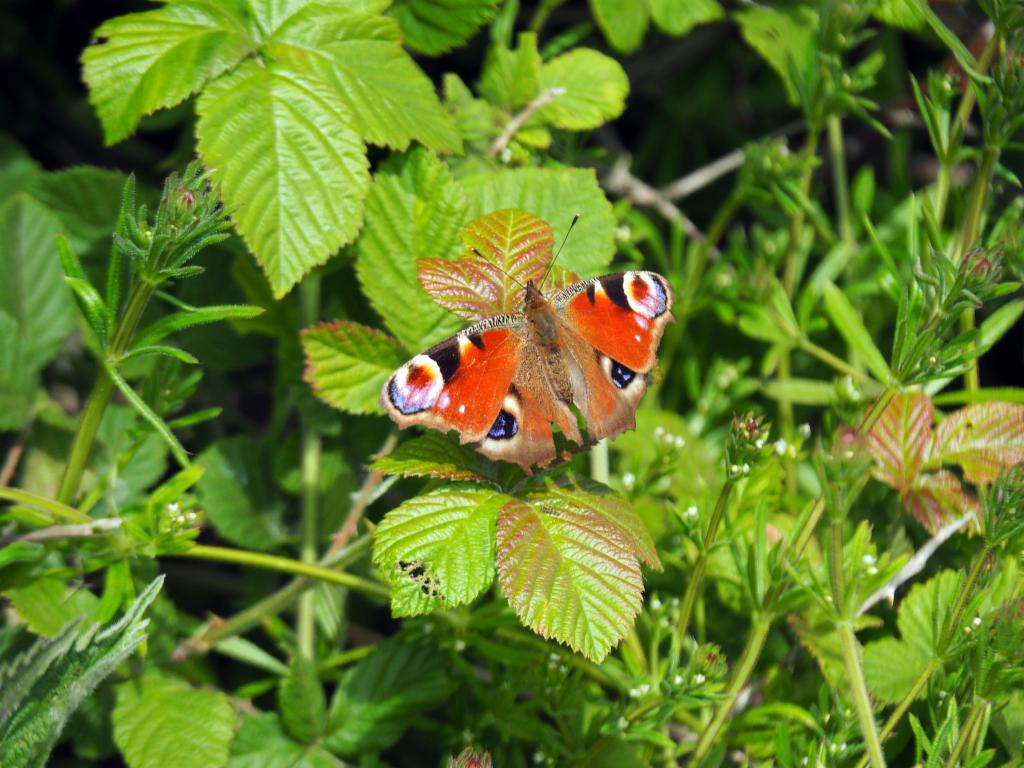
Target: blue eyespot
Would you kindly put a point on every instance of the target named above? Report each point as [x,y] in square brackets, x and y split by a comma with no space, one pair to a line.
[621,375]
[505,427]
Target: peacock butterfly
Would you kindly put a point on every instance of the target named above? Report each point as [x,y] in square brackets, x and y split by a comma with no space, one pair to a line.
[504,381]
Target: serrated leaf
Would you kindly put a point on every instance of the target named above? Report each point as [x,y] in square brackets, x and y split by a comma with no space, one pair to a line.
[623,24]
[677,17]
[511,78]
[47,605]
[32,290]
[147,61]
[17,377]
[436,26]
[377,699]
[442,543]
[190,318]
[904,14]
[555,195]
[289,165]
[415,210]
[18,171]
[503,251]
[160,721]
[85,199]
[984,439]
[937,498]
[595,88]
[900,437]
[569,574]
[435,455]
[782,38]
[347,364]
[890,669]
[238,495]
[261,742]
[356,59]
[301,701]
[848,322]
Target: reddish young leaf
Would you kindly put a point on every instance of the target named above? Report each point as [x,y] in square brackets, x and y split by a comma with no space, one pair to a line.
[985,439]
[938,498]
[900,437]
[503,250]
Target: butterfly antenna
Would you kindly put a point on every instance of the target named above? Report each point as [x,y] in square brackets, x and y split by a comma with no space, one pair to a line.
[507,274]
[555,257]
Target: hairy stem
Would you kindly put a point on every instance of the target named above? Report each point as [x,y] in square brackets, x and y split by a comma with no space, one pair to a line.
[967,732]
[305,620]
[697,577]
[99,397]
[840,181]
[57,510]
[859,692]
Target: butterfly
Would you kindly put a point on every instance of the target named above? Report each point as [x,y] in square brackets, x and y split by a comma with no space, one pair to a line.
[504,381]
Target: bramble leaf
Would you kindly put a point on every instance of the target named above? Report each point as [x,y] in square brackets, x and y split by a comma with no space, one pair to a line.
[415,210]
[900,437]
[848,322]
[347,364]
[442,543]
[160,720]
[984,439]
[289,165]
[595,88]
[503,251]
[378,698]
[677,17]
[623,24]
[435,455]
[936,498]
[86,199]
[301,701]
[555,195]
[569,574]
[261,741]
[17,378]
[511,78]
[147,61]
[436,26]
[782,37]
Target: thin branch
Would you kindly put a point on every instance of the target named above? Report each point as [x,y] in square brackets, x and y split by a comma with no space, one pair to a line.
[512,128]
[72,531]
[703,176]
[366,496]
[12,458]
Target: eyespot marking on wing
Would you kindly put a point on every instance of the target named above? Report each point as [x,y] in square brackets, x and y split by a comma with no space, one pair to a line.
[620,375]
[416,386]
[645,294]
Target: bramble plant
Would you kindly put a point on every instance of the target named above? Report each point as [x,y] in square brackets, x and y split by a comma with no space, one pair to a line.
[215,549]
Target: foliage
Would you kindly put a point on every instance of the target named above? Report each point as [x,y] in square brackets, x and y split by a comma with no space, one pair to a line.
[809,550]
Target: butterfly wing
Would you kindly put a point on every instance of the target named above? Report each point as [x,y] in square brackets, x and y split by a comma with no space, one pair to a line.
[460,383]
[613,327]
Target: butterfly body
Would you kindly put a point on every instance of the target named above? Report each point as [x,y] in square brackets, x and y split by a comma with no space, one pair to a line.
[502,383]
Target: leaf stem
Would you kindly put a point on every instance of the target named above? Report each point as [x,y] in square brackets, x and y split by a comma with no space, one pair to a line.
[309,299]
[967,732]
[737,681]
[697,577]
[859,691]
[99,397]
[840,181]
[286,565]
[904,704]
[58,510]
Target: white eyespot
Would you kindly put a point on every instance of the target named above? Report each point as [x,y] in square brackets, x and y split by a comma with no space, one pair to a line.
[637,337]
[416,386]
[645,294]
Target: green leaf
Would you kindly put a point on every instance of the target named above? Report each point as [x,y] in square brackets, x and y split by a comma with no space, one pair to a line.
[677,17]
[289,165]
[435,455]
[378,698]
[46,605]
[555,195]
[511,78]
[415,210]
[595,88]
[32,290]
[570,575]
[160,720]
[347,364]
[442,542]
[237,493]
[301,701]
[356,59]
[623,24]
[85,199]
[891,668]
[801,391]
[783,39]
[904,14]
[17,378]
[18,171]
[262,742]
[436,26]
[53,677]
[900,437]
[179,321]
[503,251]
[146,61]
[985,439]
[848,322]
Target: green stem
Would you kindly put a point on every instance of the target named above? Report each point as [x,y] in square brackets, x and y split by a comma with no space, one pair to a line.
[859,692]
[305,620]
[737,681]
[599,462]
[286,565]
[973,721]
[697,577]
[544,10]
[99,397]
[963,595]
[832,360]
[904,704]
[840,182]
[976,208]
[57,510]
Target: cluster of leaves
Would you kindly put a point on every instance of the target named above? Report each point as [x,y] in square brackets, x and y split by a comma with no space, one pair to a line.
[871,308]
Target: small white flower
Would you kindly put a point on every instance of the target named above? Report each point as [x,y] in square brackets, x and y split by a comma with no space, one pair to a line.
[634,693]
[628,480]
[746,469]
[677,680]
[733,469]
[977,621]
[172,507]
[675,602]
[868,559]
[872,571]
[506,155]
[622,233]
[780,446]
[539,757]
[804,430]
[699,679]
[623,723]
[655,603]
[691,512]
[678,441]
[659,432]
[759,443]
[460,646]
